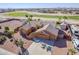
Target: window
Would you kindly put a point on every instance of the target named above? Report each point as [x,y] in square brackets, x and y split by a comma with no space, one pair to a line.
[76,31]
[78,46]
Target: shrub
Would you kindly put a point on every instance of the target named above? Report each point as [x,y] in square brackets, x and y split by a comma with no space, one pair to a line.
[19,43]
[16,42]
[6,28]
[26,15]
[8,34]
[2,39]
[71,51]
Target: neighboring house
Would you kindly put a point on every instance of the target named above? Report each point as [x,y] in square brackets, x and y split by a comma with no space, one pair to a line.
[29,27]
[11,24]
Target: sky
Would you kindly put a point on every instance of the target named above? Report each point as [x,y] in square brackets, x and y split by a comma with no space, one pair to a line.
[39,5]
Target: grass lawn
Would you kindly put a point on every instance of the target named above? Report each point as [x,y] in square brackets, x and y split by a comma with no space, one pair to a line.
[36,15]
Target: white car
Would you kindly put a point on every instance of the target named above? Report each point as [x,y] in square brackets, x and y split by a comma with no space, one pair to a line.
[75,36]
[76,43]
[75,29]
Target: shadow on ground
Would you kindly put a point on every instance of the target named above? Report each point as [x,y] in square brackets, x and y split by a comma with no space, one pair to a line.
[61,43]
[23,51]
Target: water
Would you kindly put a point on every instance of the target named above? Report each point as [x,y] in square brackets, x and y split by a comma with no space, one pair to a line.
[41,40]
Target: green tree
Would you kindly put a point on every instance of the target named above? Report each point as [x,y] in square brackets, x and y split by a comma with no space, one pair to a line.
[21,43]
[2,39]
[8,33]
[7,29]
[26,15]
[29,18]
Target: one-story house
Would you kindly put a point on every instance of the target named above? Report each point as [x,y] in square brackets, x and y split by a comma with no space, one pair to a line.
[46,32]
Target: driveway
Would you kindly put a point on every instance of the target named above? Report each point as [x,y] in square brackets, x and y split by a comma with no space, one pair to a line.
[36,49]
[5,52]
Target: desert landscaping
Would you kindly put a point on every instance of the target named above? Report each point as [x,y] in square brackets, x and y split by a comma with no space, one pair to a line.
[39,33]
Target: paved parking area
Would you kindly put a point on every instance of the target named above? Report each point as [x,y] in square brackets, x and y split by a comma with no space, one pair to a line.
[36,49]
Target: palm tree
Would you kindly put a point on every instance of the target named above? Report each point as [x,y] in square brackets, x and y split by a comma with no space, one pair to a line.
[7,29]
[71,51]
[29,19]
[21,43]
[59,20]
[31,16]
[8,33]
[26,15]
[65,18]
[2,39]
[41,24]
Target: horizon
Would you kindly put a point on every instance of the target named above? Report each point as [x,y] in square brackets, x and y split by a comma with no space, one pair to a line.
[38,5]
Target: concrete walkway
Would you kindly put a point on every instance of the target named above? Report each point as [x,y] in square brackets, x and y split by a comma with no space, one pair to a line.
[36,49]
[5,52]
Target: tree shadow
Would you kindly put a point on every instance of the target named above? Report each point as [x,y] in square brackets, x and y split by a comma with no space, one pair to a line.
[24,35]
[23,51]
[61,43]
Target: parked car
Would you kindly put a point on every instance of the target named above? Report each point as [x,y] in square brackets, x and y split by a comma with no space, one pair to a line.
[75,29]
[76,43]
[75,36]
